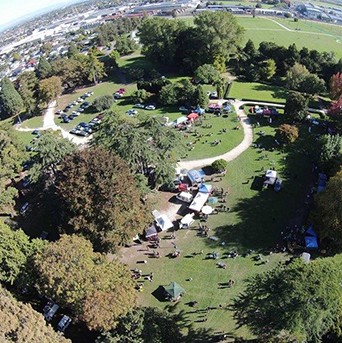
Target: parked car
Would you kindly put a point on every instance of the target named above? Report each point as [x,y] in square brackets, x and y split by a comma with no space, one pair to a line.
[24,208]
[132,112]
[63,323]
[35,132]
[213,95]
[50,310]
[66,120]
[185,196]
[278,185]
[139,106]
[150,107]
[58,112]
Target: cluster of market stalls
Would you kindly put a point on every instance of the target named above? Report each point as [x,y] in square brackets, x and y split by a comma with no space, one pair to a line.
[196,194]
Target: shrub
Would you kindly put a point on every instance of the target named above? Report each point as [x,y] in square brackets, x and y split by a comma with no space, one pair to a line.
[287,133]
[103,102]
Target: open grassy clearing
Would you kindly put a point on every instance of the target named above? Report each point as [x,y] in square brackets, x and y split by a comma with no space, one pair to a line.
[257,91]
[32,123]
[254,222]
[263,29]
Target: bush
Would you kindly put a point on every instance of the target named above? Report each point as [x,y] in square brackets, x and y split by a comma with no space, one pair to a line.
[287,133]
[220,165]
[103,102]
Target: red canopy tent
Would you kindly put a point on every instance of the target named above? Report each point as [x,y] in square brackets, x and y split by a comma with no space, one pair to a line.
[193,116]
[183,187]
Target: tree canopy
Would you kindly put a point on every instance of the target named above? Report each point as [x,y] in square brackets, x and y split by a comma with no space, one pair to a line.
[19,322]
[207,74]
[12,156]
[49,89]
[95,290]
[328,212]
[144,325]
[301,301]
[50,150]
[100,198]
[148,147]
[213,38]
[295,107]
[15,252]
[287,133]
[10,100]
[103,102]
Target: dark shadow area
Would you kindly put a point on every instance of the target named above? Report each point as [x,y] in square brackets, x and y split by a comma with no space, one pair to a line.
[159,294]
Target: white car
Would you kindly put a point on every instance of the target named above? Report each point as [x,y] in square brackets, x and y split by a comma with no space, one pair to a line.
[150,107]
[139,106]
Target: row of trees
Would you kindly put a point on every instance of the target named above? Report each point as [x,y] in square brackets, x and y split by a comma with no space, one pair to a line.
[305,70]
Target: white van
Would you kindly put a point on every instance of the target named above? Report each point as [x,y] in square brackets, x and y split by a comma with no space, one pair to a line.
[185,196]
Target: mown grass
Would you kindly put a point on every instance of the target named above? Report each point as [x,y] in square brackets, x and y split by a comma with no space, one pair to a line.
[257,91]
[255,221]
[312,35]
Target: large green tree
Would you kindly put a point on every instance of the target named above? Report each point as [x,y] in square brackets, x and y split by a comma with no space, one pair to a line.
[101,199]
[19,322]
[12,156]
[148,147]
[207,74]
[159,37]
[144,325]
[10,100]
[49,89]
[16,250]
[95,290]
[219,34]
[27,86]
[94,67]
[44,69]
[50,149]
[295,107]
[300,301]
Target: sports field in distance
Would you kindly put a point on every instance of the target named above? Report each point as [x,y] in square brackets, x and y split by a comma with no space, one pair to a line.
[318,36]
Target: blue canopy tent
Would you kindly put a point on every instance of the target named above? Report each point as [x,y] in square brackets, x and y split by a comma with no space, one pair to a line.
[310,232]
[196,176]
[205,188]
[311,242]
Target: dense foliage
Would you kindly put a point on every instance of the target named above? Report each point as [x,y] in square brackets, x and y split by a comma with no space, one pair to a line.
[50,150]
[103,102]
[100,198]
[10,100]
[148,147]
[95,290]
[19,322]
[295,107]
[144,325]
[299,301]
[12,156]
[328,213]
[287,133]
[16,251]
[211,40]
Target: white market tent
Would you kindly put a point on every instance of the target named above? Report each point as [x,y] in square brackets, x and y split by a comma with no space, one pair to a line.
[199,201]
[186,221]
[162,220]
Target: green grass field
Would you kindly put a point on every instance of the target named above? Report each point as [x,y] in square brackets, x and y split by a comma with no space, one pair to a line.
[318,36]
[32,122]
[254,222]
[257,91]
